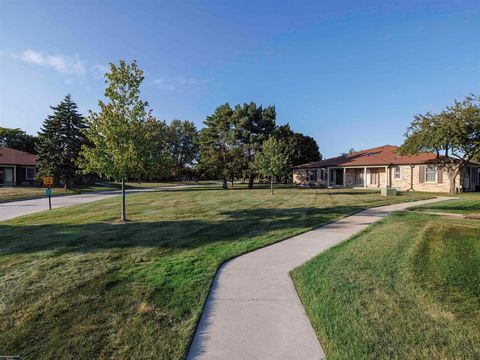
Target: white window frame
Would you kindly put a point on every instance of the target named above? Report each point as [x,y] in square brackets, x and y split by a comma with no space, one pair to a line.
[26,173]
[431,168]
[397,171]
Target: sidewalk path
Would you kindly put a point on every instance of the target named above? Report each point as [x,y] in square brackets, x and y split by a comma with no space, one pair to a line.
[253,311]
[14,209]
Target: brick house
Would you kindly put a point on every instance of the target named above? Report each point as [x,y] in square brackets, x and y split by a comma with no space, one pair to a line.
[384,167]
[17,167]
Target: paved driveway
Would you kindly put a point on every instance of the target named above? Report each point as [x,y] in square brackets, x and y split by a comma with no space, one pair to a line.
[253,311]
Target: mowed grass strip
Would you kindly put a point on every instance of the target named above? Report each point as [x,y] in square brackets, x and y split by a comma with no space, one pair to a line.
[406,288]
[8,194]
[75,285]
[467,203]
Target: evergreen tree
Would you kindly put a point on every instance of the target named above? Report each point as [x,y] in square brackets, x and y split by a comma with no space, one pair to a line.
[253,125]
[217,145]
[59,143]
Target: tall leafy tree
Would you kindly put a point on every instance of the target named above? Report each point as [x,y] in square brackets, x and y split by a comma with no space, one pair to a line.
[272,160]
[59,142]
[453,134]
[17,139]
[160,163]
[302,149]
[218,150]
[253,125]
[118,133]
[183,141]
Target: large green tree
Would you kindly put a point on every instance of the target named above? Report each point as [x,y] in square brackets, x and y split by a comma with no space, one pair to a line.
[218,151]
[272,160]
[17,139]
[183,143]
[302,149]
[59,143]
[253,125]
[159,161]
[118,133]
[453,134]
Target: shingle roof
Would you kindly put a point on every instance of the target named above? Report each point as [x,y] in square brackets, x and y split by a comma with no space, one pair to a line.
[382,155]
[9,156]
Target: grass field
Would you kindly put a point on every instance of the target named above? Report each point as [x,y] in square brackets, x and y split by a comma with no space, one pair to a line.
[406,288]
[8,194]
[468,203]
[74,285]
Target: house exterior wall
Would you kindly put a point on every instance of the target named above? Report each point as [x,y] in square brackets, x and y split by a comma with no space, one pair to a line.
[404,183]
[387,177]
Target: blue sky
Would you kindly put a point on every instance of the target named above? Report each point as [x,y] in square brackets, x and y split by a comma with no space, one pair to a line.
[348,74]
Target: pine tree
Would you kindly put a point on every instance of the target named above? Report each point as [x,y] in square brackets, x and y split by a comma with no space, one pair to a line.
[59,143]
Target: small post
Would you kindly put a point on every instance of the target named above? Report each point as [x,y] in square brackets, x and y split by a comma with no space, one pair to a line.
[48,192]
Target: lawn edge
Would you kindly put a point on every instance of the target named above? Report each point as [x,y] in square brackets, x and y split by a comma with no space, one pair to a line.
[197,322]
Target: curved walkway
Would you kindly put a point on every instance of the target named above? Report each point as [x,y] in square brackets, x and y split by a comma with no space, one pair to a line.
[253,311]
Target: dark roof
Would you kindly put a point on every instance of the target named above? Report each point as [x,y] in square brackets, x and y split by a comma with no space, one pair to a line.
[382,155]
[9,156]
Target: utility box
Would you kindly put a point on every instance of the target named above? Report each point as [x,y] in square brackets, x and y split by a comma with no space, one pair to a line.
[388,192]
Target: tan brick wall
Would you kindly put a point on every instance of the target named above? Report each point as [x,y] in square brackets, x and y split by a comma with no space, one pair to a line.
[300,178]
[405,177]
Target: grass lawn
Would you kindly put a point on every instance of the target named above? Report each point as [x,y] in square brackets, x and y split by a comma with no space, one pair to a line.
[74,285]
[468,203]
[8,194]
[406,288]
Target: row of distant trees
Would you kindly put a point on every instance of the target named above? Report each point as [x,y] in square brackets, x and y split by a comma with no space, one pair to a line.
[123,140]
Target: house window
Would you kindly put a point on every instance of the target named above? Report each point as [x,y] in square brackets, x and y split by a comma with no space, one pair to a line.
[29,173]
[396,172]
[323,174]
[312,175]
[431,173]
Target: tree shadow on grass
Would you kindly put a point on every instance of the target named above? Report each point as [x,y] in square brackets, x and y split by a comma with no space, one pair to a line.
[231,226]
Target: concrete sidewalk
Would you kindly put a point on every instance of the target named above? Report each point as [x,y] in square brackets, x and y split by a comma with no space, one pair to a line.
[253,311]
[14,209]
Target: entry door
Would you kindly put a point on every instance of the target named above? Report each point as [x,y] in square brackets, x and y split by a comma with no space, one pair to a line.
[374,177]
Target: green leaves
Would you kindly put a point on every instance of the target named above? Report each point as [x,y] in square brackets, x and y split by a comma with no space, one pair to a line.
[119,132]
[59,142]
[273,159]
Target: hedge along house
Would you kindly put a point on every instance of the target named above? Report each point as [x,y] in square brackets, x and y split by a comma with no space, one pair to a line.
[16,167]
[384,167]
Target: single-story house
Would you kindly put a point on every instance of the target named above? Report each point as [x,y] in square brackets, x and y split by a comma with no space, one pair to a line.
[384,167]
[16,167]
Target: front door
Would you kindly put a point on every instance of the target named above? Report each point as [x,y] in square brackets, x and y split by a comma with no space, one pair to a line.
[339,177]
[373,176]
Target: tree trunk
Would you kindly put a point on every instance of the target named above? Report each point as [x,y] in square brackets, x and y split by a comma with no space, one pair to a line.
[124,216]
[451,178]
[271,184]
[225,185]
[250,181]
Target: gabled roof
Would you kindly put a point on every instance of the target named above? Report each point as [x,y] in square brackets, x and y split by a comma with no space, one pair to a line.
[382,155]
[9,156]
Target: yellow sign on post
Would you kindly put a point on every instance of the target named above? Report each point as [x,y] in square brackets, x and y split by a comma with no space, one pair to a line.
[47,181]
